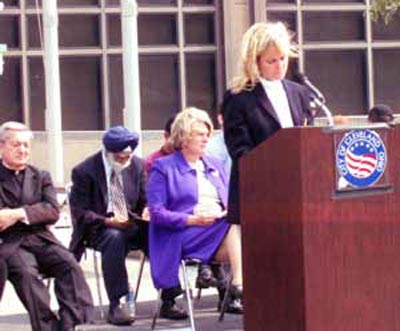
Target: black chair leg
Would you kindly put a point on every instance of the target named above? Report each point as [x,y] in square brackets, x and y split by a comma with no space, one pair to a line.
[225,300]
[157,311]
[142,262]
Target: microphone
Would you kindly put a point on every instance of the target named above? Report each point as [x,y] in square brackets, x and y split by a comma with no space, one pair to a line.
[317,97]
[303,80]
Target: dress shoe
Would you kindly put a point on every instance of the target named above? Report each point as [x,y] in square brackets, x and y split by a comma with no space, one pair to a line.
[236,291]
[119,316]
[234,306]
[168,294]
[234,303]
[219,274]
[170,310]
[205,277]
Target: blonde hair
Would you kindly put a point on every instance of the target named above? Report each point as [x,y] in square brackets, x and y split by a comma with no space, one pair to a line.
[182,126]
[255,41]
[13,127]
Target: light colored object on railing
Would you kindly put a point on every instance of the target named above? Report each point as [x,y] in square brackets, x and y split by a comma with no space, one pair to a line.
[351,120]
[3,50]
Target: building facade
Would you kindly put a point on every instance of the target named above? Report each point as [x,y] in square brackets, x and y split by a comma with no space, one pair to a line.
[188,51]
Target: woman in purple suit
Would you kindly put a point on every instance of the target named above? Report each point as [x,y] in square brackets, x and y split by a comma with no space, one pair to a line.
[187,199]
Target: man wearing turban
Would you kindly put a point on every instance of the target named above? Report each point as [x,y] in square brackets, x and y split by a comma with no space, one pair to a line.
[99,222]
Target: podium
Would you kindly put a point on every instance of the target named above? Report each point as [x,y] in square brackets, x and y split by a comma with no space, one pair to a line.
[315,259]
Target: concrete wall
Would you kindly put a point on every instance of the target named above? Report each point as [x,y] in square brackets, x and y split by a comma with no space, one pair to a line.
[236,22]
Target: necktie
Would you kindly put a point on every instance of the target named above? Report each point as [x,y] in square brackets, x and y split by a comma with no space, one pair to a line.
[118,202]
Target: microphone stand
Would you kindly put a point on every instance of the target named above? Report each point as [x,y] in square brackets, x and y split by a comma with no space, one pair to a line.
[325,109]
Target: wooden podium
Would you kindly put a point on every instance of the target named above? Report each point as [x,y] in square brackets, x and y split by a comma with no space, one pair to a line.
[316,260]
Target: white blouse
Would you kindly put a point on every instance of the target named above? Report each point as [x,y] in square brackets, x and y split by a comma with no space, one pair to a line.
[277,95]
[209,202]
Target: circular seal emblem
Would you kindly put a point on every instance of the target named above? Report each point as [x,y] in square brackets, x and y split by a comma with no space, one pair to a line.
[360,158]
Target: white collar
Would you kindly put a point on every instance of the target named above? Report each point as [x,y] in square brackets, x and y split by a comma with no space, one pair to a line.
[271,84]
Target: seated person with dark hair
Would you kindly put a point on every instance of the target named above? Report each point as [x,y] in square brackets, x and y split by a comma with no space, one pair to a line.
[187,197]
[165,149]
[28,205]
[107,199]
[380,114]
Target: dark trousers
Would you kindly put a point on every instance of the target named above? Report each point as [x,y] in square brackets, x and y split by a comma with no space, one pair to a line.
[36,257]
[3,276]
[114,245]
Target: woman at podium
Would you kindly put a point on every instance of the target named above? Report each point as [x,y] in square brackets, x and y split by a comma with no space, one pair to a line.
[260,100]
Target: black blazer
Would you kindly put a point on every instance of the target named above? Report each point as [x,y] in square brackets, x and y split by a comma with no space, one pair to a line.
[39,199]
[89,198]
[249,119]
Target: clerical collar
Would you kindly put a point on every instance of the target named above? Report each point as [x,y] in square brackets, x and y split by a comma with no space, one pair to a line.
[12,171]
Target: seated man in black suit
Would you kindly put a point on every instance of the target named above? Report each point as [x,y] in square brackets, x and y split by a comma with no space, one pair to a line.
[28,205]
[107,195]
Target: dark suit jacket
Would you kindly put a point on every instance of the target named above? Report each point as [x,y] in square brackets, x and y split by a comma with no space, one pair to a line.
[39,200]
[40,203]
[249,119]
[89,198]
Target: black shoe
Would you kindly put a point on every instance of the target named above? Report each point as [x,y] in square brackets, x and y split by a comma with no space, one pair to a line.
[61,327]
[234,304]
[236,292]
[119,316]
[171,311]
[219,274]
[168,294]
[205,278]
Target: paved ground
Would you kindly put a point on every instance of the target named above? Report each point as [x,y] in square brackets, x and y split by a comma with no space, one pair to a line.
[206,319]
[13,316]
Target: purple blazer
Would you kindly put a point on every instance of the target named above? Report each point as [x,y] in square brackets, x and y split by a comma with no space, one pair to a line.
[172,191]
[172,195]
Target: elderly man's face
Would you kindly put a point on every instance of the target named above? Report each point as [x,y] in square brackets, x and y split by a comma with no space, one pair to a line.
[16,149]
[122,157]
[119,161]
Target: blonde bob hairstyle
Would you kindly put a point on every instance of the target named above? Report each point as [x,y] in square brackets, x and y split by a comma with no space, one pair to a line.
[182,127]
[256,40]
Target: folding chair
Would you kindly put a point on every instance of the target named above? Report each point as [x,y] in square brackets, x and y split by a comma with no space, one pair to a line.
[96,265]
[187,294]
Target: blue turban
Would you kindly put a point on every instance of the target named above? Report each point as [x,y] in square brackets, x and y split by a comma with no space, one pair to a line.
[117,138]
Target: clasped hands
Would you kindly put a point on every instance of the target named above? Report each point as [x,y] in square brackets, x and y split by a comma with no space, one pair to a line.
[9,217]
[117,222]
[204,218]
[122,223]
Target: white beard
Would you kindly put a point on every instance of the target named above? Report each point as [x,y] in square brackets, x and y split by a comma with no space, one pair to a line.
[116,166]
